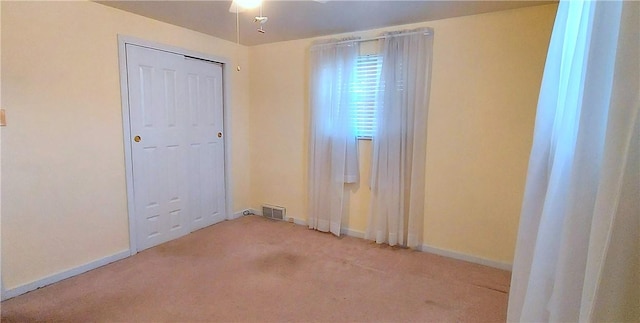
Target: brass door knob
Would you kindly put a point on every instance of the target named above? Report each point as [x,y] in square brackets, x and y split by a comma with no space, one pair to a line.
[137,138]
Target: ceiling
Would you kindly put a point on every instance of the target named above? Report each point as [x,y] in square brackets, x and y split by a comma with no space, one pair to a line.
[290,20]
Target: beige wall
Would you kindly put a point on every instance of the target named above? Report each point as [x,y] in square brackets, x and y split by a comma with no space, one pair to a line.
[487,71]
[63,189]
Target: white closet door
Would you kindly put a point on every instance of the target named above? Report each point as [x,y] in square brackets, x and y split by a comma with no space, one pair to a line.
[206,149]
[178,170]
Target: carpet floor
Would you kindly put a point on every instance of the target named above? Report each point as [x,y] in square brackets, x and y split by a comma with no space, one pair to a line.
[255,269]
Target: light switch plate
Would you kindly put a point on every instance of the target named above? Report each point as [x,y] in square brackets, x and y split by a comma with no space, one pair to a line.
[3,118]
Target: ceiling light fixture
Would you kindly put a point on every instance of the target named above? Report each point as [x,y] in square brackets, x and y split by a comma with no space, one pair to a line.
[261,19]
[242,5]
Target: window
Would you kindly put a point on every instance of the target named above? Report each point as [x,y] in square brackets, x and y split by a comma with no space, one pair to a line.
[366,89]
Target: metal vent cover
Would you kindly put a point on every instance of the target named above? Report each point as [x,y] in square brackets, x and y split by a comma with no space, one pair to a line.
[273,212]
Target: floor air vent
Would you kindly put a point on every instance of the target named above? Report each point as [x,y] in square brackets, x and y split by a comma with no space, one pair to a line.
[273,212]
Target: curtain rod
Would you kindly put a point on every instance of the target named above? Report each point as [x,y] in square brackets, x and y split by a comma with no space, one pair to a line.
[362,40]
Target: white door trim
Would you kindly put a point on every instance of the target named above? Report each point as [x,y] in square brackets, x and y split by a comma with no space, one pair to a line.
[126,125]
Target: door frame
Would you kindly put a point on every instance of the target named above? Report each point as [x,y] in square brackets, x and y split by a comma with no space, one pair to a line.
[123,40]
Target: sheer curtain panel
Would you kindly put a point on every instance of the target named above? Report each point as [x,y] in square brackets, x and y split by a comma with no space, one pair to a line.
[333,145]
[578,250]
[400,140]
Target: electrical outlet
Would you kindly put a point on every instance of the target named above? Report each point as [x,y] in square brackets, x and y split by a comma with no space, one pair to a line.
[290,220]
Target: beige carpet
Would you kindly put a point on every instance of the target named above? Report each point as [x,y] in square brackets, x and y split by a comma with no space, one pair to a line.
[254,269]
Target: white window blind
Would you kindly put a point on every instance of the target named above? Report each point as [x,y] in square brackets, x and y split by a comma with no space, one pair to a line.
[366,88]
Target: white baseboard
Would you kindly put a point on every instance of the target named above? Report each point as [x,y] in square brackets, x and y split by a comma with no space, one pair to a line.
[352,233]
[13,292]
[466,257]
[249,211]
[241,213]
[297,221]
[443,252]
[235,215]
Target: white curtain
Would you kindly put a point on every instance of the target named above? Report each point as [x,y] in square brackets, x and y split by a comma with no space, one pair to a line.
[578,250]
[333,154]
[399,141]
